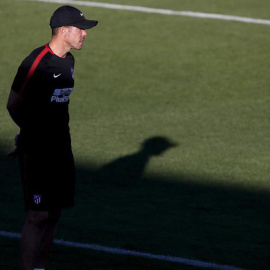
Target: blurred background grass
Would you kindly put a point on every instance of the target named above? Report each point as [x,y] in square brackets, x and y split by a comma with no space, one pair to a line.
[201,83]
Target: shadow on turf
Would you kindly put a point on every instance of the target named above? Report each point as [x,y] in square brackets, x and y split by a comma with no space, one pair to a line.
[176,216]
[129,169]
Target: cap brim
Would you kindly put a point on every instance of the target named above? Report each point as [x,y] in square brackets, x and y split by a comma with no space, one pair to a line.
[85,24]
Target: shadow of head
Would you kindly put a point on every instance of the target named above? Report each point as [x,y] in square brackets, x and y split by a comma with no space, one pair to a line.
[156,146]
[130,168]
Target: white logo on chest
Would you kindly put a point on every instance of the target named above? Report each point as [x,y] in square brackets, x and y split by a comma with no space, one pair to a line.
[55,76]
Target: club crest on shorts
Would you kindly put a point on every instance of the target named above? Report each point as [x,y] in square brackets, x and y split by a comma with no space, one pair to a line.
[37,199]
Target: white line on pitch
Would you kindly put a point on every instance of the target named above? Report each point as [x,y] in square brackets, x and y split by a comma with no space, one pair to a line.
[161,11]
[119,251]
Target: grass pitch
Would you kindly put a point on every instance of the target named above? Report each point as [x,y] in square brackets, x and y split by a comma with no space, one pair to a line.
[202,84]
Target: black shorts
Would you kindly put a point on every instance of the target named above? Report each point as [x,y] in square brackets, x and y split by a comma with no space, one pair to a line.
[48,178]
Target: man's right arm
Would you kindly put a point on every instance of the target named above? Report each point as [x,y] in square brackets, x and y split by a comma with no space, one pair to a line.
[14,106]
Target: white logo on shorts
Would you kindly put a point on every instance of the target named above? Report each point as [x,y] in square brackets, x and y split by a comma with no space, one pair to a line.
[37,199]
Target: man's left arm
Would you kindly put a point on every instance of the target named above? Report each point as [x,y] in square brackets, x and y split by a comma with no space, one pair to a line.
[14,107]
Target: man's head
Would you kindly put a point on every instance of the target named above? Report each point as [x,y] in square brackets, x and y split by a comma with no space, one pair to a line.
[69,24]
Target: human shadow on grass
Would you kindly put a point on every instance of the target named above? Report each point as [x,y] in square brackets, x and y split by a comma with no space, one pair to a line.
[184,216]
[129,169]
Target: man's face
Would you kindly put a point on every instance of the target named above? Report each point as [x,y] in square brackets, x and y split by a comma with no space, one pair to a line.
[75,37]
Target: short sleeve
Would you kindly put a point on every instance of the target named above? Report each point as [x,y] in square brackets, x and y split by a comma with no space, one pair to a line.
[19,81]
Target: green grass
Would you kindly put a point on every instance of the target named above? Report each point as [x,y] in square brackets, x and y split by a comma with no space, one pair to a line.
[201,83]
[244,8]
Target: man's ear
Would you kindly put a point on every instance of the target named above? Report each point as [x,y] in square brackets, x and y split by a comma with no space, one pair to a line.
[63,30]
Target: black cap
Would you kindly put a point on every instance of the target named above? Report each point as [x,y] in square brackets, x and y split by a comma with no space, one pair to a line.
[70,16]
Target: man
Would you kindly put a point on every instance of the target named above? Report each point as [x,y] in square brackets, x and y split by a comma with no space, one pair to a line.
[38,104]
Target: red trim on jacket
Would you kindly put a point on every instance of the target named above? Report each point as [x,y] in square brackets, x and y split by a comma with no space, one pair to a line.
[48,47]
[34,66]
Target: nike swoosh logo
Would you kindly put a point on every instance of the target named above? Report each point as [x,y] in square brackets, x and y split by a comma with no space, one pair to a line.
[55,76]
